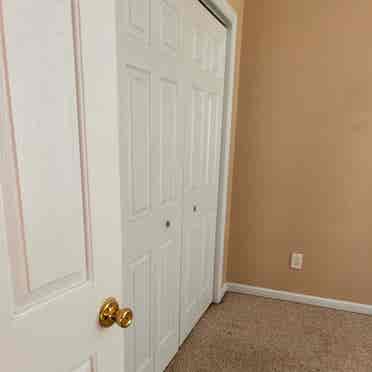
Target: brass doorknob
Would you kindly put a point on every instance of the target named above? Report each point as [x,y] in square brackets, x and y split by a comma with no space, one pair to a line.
[111,313]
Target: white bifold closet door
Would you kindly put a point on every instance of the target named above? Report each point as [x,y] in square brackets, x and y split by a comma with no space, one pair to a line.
[204,56]
[171,66]
[151,122]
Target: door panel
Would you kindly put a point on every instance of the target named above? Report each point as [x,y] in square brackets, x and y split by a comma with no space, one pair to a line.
[140,291]
[167,301]
[209,254]
[170,26]
[204,53]
[151,130]
[46,168]
[53,167]
[211,165]
[168,138]
[60,233]
[192,274]
[138,18]
[197,137]
[139,121]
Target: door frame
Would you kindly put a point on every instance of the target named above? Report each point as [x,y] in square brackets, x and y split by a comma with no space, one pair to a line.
[227,15]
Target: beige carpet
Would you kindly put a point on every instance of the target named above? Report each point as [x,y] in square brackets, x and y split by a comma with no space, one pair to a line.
[253,334]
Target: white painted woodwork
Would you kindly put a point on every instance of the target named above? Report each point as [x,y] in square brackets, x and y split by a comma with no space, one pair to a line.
[204,55]
[98,154]
[171,80]
[48,155]
[151,148]
[60,231]
[87,366]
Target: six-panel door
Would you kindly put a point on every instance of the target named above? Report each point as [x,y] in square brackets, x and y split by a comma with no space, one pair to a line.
[60,233]
[151,149]
[204,55]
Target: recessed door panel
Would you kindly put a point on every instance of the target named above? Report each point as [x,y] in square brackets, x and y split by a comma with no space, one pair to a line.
[48,142]
[211,139]
[196,137]
[167,303]
[193,265]
[209,254]
[197,45]
[139,340]
[196,264]
[170,26]
[139,116]
[168,138]
[138,19]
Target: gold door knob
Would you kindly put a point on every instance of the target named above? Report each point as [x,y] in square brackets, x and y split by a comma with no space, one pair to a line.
[111,313]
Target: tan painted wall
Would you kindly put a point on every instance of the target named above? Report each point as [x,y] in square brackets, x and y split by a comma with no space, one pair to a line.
[303,159]
[238,6]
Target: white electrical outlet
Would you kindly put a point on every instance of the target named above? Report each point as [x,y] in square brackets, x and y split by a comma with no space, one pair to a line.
[297,261]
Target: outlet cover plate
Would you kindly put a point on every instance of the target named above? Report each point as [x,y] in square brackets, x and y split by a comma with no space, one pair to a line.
[297,261]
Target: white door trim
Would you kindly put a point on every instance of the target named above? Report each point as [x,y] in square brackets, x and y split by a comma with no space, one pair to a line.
[227,15]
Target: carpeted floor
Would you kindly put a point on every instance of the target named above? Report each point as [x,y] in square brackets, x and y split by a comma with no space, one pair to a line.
[253,334]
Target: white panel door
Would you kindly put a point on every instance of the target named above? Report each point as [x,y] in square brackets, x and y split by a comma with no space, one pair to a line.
[204,56]
[60,229]
[151,134]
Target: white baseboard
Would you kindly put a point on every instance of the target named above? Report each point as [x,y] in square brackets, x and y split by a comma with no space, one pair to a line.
[300,298]
[221,294]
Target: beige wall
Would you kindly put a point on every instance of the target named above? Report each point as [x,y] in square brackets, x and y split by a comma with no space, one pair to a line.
[303,159]
[238,6]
